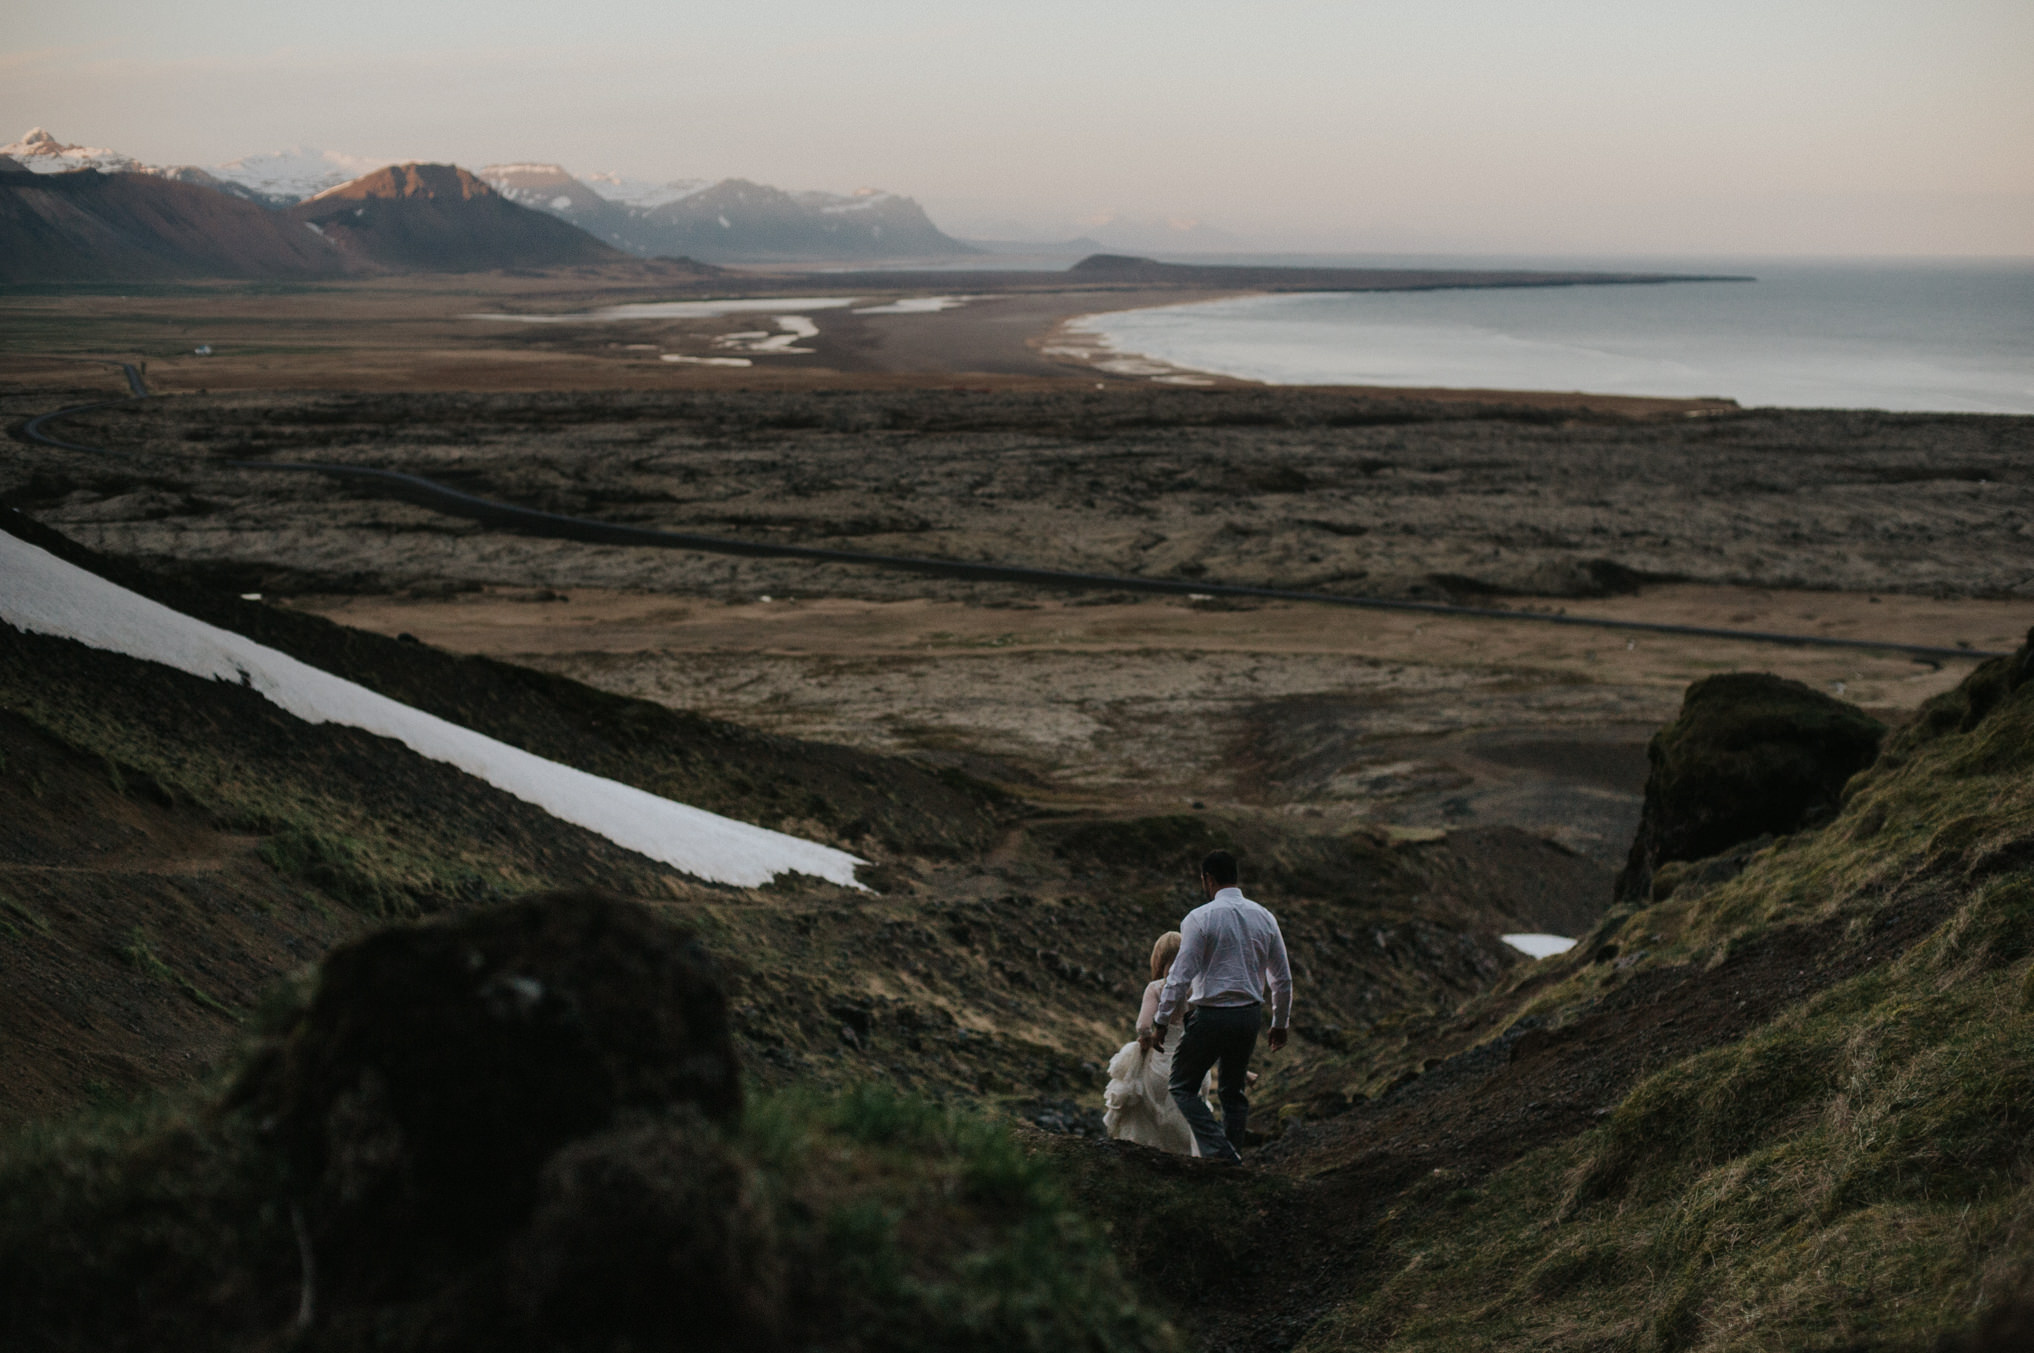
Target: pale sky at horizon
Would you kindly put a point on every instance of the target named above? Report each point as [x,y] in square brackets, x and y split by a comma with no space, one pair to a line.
[1816,127]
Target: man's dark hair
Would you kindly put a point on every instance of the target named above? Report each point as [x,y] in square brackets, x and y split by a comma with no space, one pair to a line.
[1220,867]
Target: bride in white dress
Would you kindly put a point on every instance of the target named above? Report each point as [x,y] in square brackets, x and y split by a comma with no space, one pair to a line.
[1138,1103]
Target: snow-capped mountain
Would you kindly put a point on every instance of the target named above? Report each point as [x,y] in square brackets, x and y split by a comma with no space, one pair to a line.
[274,180]
[40,153]
[292,175]
[643,194]
[733,220]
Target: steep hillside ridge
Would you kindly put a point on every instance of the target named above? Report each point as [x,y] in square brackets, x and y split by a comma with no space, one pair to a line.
[1786,1106]
[1001,960]
[439,218]
[135,928]
[87,226]
[208,844]
[877,803]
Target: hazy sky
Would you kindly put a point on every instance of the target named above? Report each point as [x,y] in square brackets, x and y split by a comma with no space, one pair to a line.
[1578,126]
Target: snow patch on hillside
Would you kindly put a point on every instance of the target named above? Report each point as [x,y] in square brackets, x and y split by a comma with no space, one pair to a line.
[1539,946]
[46,595]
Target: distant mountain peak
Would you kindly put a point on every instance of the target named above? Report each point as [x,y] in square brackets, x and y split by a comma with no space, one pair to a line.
[41,153]
[411,180]
[440,218]
[297,172]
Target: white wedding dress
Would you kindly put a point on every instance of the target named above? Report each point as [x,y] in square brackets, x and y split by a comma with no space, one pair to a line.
[1138,1104]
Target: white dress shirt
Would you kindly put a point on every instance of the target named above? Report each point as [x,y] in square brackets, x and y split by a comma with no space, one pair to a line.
[1230,951]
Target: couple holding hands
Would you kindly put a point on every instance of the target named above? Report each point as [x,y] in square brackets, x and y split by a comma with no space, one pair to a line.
[1218,970]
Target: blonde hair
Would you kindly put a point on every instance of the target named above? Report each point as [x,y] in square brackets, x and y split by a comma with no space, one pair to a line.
[1163,953]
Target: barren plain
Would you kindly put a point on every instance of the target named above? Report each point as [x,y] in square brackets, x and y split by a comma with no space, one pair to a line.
[1908,529]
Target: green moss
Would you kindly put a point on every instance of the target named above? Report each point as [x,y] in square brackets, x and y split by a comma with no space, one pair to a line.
[138,954]
[344,868]
[1850,1173]
[18,920]
[903,1225]
[369,826]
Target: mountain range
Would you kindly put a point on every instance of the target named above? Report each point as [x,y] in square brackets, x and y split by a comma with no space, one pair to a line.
[733,220]
[94,226]
[439,218]
[92,220]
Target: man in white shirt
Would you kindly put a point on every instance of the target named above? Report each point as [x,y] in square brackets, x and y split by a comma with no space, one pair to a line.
[1230,955]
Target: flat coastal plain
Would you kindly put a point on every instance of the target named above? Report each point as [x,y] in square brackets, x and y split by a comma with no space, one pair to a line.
[1909,529]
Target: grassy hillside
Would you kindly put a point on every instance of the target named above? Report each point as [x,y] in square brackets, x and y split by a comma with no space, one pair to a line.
[170,847]
[1789,1108]
[1783,1099]
[395,1167]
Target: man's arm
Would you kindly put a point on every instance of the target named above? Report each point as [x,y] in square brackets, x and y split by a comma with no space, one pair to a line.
[1278,974]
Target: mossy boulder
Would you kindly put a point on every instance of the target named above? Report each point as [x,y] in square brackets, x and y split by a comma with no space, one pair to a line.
[434,1071]
[1750,755]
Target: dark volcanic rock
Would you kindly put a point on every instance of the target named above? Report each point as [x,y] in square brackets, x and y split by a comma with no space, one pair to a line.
[437,1068]
[1751,754]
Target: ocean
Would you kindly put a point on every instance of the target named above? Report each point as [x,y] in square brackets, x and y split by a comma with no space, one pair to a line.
[1939,336]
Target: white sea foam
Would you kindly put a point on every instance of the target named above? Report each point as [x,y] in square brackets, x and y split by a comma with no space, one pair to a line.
[48,596]
[1539,946]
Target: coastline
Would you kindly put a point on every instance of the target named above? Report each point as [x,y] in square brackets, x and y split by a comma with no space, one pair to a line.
[418,336]
[1888,339]
[1066,341]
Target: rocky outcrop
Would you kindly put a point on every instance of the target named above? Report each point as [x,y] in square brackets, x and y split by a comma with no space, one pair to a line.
[1750,755]
[436,1069]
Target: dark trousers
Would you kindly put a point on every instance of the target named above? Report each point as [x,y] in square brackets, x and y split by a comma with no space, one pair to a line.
[1224,1034]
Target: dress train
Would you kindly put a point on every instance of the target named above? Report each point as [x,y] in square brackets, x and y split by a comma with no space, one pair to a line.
[1138,1104]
